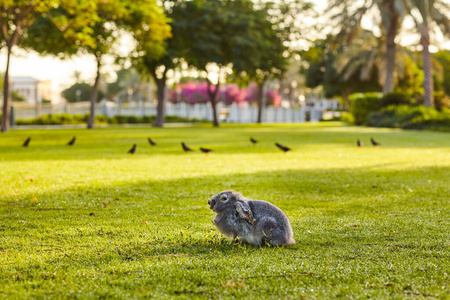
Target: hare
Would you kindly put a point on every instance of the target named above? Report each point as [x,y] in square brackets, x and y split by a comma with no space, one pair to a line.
[256,222]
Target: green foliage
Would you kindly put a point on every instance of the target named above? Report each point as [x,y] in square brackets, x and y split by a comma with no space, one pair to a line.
[410,74]
[408,117]
[441,100]
[263,40]
[148,23]
[63,29]
[108,20]
[16,97]
[444,59]
[347,118]
[396,98]
[93,222]
[79,92]
[64,119]
[226,32]
[361,105]
[53,119]
[338,71]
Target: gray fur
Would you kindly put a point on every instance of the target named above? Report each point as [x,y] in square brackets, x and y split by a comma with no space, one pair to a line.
[256,222]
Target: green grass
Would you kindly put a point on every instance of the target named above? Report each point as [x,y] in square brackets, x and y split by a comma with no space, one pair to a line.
[93,222]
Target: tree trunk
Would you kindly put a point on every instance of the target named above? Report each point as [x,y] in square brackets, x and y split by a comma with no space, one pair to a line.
[6,94]
[94,96]
[212,97]
[161,97]
[260,86]
[428,99]
[390,52]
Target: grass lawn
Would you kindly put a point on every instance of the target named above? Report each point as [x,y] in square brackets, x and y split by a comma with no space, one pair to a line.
[91,221]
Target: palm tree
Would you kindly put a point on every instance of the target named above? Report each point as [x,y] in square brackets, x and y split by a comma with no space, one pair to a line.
[425,14]
[363,60]
[350,18]
[363,56]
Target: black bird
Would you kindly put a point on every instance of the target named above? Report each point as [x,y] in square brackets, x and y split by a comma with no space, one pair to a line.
[253,141]
[27,142]
[185,148]
[132,150]
[374,143]
[71,142]
[359,143]
[283,148]
[151,142]
[205,150]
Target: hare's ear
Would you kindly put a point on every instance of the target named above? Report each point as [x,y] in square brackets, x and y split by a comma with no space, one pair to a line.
[244,212]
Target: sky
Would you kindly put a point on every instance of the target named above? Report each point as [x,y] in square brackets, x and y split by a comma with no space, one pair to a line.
[61,72]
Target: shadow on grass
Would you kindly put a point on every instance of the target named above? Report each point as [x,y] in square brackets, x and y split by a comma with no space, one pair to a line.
[180,205]
[153,231]
[319,188]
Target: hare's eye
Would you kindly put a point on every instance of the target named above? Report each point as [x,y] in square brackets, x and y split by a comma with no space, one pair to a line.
[224,198]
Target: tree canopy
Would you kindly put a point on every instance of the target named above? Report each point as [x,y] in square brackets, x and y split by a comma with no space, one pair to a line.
[16,17]
[144,20]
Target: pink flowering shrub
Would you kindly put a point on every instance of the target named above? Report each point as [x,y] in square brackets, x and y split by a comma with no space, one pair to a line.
[273,97]
[197,92]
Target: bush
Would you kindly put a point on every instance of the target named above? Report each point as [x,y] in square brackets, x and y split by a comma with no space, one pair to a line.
[361,105]
[441,100]
[347,118]
[411,117]
[64,119]
[396,98]
[53,119]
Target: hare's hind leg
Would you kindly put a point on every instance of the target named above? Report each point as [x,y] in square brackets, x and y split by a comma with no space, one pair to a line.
[273,235]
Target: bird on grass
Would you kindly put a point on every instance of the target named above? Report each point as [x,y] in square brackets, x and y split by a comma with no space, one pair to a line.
[151,142]
[205,150]
[186,149]
[71,142]
[27,142]
[282,148]
[374,143]
[132,150]
[253,141]
[359,143]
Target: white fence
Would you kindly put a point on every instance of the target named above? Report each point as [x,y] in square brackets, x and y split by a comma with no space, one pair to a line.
[232,113]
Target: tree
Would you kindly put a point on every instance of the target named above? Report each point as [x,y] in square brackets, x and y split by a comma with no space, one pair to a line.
[143,19]
[151,47]
[341,71]
[349,18]
[110,15]
[80,91]
[16,18]
[210,27]
[267,50]
[361,57]
[223,34]
[444,59]
[425,14]
[157,66]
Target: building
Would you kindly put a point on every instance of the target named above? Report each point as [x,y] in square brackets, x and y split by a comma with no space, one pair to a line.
[32,89]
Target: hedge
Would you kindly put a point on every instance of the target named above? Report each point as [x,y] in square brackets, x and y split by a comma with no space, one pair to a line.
[411,117]
[63,119]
